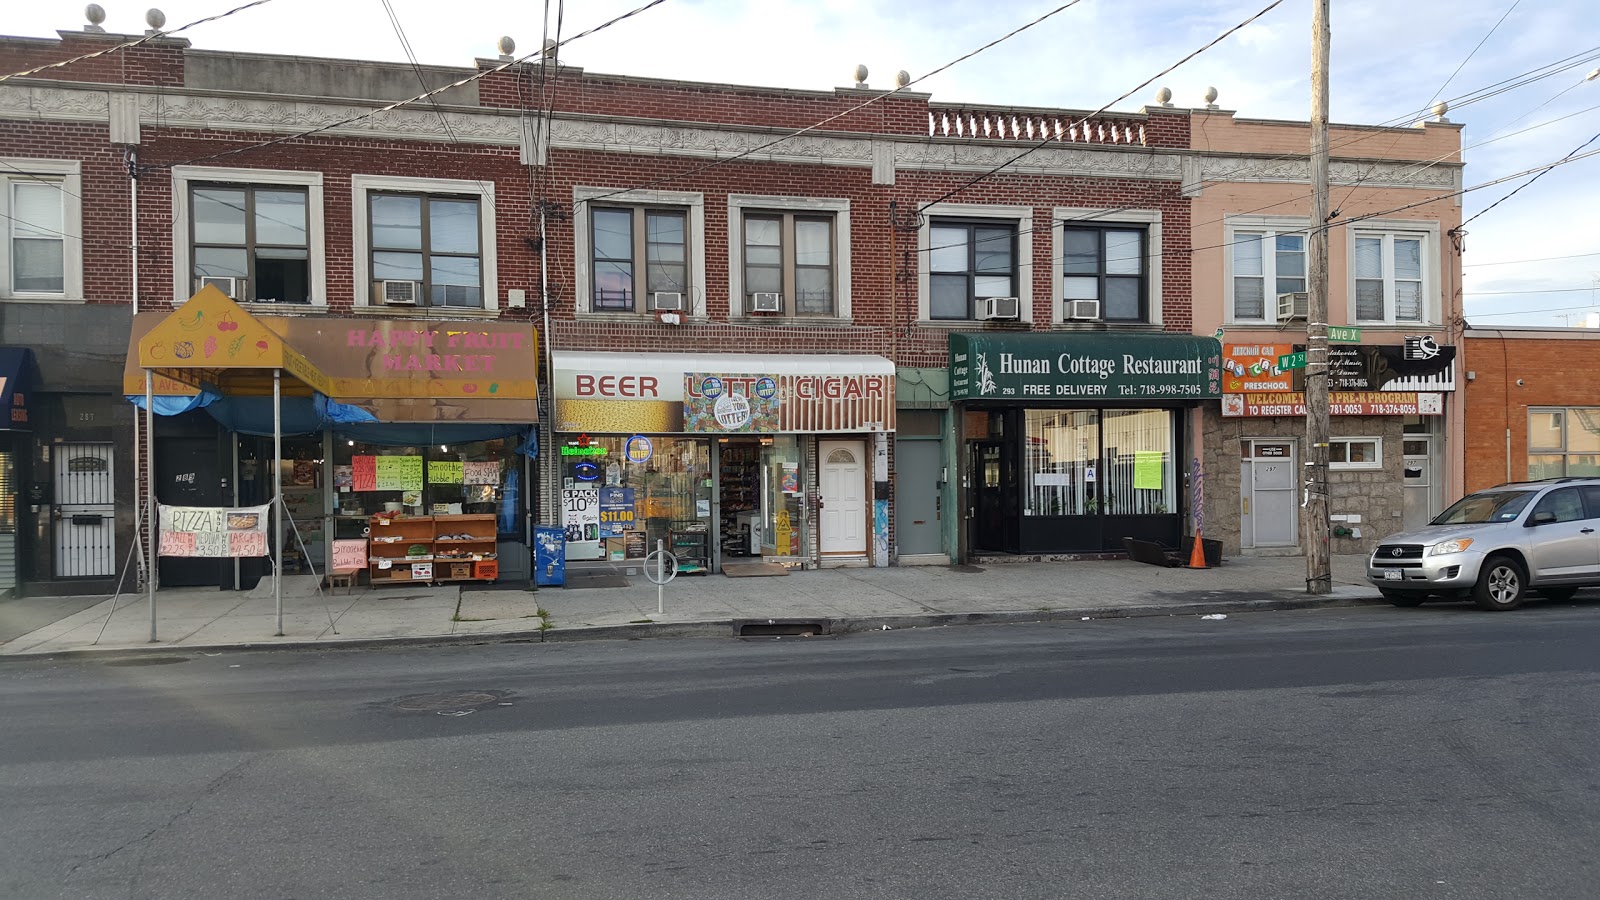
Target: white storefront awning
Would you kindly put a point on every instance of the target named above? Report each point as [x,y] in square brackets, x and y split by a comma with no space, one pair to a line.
[721,393]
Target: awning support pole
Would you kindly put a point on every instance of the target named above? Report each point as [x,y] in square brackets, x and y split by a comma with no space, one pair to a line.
[150,513]
[277,493]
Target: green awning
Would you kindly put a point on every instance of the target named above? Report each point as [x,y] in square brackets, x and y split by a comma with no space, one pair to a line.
[1098,366]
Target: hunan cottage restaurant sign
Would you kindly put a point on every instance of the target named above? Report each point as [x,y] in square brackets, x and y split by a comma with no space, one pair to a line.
[675,393]
[1096,367]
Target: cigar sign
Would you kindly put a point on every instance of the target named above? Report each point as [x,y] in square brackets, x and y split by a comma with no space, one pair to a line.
[722,393]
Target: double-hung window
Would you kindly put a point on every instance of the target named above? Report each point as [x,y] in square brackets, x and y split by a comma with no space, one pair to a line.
[791,256]
[426,249]
[1390,277]
[1106,265]
[638,254]
[1265,264]
[967,262]
[251,241]
[41,255]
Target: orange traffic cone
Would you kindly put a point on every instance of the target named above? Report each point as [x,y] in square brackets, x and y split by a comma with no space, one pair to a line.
[1197,555]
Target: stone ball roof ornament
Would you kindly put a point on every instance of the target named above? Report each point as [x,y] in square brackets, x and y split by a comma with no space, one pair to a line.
[506,46]
[96,14]
[861,76]
[155,18]
[1164,96]
[902,78]
[1211,98]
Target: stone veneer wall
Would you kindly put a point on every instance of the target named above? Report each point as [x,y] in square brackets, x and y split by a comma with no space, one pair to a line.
[1377,495]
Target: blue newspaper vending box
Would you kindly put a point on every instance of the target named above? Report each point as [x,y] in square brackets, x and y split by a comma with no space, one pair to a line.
[549,556]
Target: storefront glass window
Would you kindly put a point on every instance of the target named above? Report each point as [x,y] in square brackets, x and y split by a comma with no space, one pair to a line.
[443,479]
[666,484]
[1139,472]
[781,493]
[1565,442]
[1063,448]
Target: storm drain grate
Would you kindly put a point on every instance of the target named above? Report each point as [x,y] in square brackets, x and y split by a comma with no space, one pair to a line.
[449,700]
[784,628]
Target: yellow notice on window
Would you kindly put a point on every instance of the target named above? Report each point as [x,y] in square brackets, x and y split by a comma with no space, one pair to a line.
[445,471]
[1147,470]
[399,473]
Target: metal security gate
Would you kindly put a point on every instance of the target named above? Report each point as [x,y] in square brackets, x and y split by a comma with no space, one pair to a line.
[85,515]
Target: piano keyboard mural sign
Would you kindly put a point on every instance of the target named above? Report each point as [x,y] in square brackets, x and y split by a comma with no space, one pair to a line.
[213,531]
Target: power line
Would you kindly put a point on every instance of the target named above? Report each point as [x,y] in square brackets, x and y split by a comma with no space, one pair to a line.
[1519,187]
[399,103]
[1474,52]
[1573,290]
[1049,138]
[149,37]
[839,115]
[1527,312]
[1512,262]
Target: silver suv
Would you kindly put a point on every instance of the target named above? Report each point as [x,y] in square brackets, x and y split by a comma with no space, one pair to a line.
[1496,545]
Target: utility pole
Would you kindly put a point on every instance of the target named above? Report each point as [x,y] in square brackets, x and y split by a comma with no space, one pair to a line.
[1319,573]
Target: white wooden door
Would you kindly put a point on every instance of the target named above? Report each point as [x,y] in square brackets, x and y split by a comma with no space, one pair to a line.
[842,526]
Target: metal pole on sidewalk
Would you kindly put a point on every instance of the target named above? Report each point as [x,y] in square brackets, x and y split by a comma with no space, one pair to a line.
[150,513]
[661,575]
[277,493]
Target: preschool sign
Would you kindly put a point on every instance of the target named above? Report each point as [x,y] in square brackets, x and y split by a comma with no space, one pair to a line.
[1084,367]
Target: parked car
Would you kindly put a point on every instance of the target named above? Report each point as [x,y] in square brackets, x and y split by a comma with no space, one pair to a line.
[1496,545]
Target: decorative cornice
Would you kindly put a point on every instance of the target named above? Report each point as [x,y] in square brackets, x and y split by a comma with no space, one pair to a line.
[1420,174]
[281,115]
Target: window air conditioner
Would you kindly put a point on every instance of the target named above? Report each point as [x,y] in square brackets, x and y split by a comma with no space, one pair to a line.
[998,308]
[1083,309]
[400,293]
[229,286]
[666,301]
[459,294]
[766,301]
[1292,306]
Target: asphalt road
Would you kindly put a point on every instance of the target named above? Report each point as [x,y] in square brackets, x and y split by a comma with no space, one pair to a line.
[1364,753]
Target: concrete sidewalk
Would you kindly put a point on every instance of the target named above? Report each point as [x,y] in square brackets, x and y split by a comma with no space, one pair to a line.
[848,599]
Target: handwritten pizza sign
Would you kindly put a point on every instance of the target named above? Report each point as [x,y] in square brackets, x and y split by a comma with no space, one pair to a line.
[213,531]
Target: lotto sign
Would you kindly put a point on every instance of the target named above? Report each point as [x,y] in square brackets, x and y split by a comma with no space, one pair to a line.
[730,403]
[213,531]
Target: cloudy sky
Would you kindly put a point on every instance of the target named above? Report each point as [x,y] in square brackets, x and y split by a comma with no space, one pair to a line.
[1533,260]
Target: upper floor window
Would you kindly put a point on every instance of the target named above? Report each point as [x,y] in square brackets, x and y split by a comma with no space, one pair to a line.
[639,253]
[1106,265]
[969,261]
[41,255]
[252,242]
[1265,264]
[1389,277]
[426,246]
[789,264]
[423,242]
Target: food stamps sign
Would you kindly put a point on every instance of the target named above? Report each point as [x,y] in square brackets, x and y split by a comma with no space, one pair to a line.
[1084,367]
[213,531]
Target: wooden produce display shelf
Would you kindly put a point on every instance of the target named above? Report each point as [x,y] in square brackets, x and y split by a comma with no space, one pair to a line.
[460,548]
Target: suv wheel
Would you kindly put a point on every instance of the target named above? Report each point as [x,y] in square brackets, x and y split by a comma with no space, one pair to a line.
[1403,598]
[1501,584]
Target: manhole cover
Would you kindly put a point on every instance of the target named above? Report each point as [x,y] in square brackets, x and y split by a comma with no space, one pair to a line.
[148,661]
[449,700]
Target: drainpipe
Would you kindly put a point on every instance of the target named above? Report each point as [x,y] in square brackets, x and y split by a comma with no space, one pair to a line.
[131,158]
[549,358]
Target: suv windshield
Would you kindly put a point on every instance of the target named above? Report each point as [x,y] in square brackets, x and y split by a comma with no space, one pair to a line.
[1489,506]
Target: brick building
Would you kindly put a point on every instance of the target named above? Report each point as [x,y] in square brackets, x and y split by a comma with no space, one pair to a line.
[1532,411]
[857,345]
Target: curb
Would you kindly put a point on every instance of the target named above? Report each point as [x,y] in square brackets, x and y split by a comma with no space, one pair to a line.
[728,628]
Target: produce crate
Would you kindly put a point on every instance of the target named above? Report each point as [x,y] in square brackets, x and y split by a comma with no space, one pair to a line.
[487,569]
[460,570]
